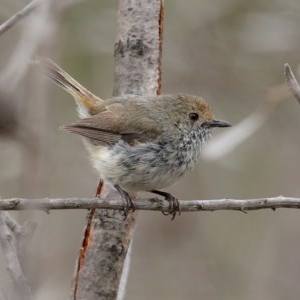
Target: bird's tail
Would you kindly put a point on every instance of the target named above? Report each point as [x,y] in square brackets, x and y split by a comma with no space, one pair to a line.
[86,101]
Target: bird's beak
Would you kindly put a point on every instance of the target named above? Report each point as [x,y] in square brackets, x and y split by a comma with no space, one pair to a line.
[216,123]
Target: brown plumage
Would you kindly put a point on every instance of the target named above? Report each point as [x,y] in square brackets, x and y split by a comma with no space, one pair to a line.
[139,143]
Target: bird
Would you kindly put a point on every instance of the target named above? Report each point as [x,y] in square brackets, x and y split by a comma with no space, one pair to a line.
[139,142]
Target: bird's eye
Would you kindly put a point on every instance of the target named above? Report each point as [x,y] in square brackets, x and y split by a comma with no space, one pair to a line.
[193,117]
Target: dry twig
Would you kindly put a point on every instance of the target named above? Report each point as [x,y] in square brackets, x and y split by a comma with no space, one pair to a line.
[18,16]
[21,287]
[154,204]
[22,233]
[292,82]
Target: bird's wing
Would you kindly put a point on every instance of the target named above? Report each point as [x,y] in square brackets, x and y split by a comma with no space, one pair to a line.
[118,122]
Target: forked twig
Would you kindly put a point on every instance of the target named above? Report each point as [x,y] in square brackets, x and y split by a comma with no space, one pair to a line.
[21,287]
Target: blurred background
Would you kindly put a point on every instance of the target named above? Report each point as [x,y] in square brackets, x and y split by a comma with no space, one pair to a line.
[232,54]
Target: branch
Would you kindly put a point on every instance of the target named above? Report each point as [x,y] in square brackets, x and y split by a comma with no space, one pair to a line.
[22,233]
[37,32]
[22,289]
[18,16]
[292,82]
[22,14]
[107,237]
[154,204]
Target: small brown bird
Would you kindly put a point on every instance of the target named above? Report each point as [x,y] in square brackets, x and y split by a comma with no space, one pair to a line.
[139,143]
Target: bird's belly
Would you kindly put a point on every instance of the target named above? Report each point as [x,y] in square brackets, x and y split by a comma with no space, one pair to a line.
[141,168]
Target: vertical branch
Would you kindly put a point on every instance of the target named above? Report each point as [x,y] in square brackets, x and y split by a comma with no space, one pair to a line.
[138,48]
[21,288]
[137,71]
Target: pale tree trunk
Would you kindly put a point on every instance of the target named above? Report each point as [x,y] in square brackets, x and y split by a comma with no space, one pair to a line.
[137,71]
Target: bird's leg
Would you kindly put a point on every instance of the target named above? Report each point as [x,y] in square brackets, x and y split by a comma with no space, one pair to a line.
[99,188]
[128,201]
[174,203]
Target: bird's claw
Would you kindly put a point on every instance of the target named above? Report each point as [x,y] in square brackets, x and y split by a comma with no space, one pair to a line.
[174,207]
[129,204]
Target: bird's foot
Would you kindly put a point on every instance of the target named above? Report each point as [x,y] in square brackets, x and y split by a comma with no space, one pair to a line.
[174,207]
[129,204]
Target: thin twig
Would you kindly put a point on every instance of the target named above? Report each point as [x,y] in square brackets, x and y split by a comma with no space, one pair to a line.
[18,16]
[292,82]
[38,30]
[22,289]
[12,224]
[154,204]
[22,233]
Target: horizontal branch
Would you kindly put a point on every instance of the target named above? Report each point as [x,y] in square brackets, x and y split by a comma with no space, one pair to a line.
[155,204]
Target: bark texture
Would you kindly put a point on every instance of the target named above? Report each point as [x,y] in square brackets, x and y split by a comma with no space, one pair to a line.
[137,71]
